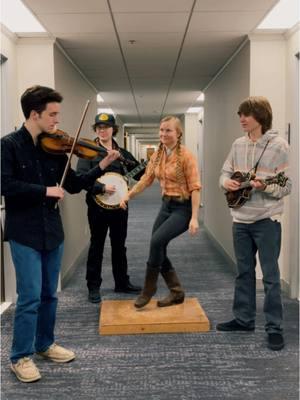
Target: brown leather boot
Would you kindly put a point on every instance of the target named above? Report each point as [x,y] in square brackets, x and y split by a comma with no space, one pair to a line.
[176,295]
[149,289]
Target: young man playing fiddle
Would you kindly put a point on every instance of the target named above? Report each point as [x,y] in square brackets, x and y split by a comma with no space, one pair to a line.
[33,227]
[256,224]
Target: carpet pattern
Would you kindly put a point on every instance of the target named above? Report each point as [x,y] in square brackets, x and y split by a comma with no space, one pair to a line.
[206,366]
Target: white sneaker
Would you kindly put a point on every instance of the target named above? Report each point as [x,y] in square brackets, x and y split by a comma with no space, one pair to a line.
[58,354]
[26,370]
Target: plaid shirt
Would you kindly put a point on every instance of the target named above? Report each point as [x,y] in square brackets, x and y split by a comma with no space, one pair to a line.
[165,172]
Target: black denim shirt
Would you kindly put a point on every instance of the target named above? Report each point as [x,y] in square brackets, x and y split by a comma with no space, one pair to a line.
[31,218]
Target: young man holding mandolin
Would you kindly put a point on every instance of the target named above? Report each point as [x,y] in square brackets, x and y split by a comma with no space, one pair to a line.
[33,227]
[257,163]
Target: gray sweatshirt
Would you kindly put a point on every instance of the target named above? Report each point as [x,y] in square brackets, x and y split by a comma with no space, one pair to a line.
[242,157]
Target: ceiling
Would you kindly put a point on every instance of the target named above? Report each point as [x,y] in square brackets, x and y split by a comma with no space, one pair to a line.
[149,58]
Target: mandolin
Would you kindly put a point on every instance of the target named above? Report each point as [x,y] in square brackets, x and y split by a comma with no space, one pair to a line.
[237,198]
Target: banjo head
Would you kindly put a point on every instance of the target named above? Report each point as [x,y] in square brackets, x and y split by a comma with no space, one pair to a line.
[112,201]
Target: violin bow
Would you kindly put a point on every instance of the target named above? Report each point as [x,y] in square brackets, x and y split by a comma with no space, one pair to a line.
[73,147]
[74,144]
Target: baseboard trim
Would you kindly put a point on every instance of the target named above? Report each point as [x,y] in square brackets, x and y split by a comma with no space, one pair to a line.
[221,250]
[285,286]
[4,306]
[68,275]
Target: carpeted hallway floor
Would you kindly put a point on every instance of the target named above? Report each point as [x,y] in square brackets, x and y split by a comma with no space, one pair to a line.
[208,366]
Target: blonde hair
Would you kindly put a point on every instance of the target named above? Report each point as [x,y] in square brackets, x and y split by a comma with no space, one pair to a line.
[179,168]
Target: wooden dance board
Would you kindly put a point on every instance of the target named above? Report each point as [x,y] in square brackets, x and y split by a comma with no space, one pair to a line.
[120,317]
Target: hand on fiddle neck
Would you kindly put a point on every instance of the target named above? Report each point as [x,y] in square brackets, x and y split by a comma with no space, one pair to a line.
[55,191]
[112,155]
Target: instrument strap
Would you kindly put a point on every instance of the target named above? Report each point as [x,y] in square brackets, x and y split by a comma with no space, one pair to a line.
[258,161]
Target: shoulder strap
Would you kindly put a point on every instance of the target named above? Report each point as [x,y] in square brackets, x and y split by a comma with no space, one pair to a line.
[254,168]
[262,153]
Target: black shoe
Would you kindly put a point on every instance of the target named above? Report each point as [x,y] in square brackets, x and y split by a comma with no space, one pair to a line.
[275,341]
[129,288]
[94,296]
[233,326]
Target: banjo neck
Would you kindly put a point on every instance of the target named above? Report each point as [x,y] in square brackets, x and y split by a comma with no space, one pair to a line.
[136,170]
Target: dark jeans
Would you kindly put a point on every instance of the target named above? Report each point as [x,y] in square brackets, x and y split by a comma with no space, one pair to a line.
[37,277]
[100,220]
[264,237]
[172,220]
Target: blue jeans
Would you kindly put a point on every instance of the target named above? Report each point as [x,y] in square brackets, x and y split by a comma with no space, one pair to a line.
[264,237]
[173,219]
[37,275]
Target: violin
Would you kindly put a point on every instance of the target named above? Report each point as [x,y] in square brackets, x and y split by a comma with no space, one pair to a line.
[60,142]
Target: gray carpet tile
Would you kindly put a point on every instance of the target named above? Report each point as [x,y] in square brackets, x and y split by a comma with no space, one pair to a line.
[207,366]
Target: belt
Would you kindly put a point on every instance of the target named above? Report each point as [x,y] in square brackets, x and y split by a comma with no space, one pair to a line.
[178,199]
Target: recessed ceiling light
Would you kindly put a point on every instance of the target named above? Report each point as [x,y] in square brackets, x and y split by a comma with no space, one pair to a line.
[106,111]
[17,18]
[194,110]
[201,97]
[284,15]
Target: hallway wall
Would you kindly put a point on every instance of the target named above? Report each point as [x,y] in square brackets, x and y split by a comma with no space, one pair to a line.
[9,99]
[35,66]
[9,105]
[76,91]
[265,66]
[16,76]
[192,133]
[292,105]
[49,67]
[236,81]
[221,128]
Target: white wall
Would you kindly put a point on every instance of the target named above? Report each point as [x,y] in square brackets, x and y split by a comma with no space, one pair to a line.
[34,65]
[221,128]
[266,66]
[9,82]
[268,72]
[30,62]
[268,54]
[292,106]
[9,120]
[274,75]
[132,146]
[76,91]
[36,61]
[191,133]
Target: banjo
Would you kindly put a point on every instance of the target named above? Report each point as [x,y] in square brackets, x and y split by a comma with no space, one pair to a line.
[112,201]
